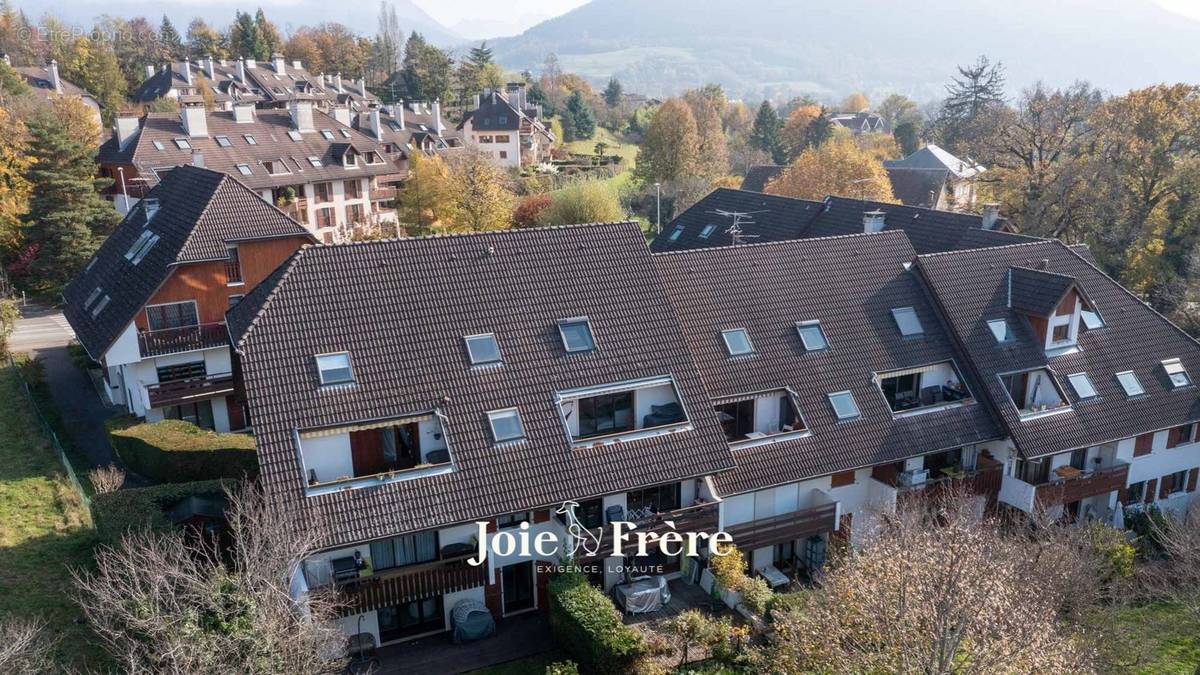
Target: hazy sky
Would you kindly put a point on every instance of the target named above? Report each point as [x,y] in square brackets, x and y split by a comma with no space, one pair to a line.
[450,12]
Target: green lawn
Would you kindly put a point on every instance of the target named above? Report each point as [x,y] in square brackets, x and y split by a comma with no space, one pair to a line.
[532,665]
[627,151]
[1157,639]
[44,529]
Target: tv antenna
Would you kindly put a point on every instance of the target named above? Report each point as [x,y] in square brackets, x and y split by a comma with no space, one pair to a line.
[738,219]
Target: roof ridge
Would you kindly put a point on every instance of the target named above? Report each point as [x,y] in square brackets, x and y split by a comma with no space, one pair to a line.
[1039,242]
[780,242]
[451,235]
[284,271]
[1034,269]
[221,177]
[906,206]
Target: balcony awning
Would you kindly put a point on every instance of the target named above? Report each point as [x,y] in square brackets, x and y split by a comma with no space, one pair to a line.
[363,426]
[628,385]
[916,370]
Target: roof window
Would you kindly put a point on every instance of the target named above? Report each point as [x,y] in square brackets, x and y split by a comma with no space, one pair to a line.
[676,232]
[141,247]
[737,341]
[483,349]
[1091,319]
[1082,385]
[182,144]
[87,304]
[1001,330]
[327,133]
[244,169]
[1178,374]
[345,133]
[577,334]
[314,160]
[158,145]
[334,368]
[707,231]
[100,306]
[249,139]
[844,405]
[506,425]
[907,321]
[295,135]
[223,141]
[1130,383]
[812,336]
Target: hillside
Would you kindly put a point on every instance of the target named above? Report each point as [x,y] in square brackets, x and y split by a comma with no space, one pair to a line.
[783,47]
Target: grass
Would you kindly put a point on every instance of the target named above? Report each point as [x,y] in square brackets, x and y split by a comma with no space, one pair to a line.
[44,531]
[530,665]
[627,151]
[178,435]
[1157,639]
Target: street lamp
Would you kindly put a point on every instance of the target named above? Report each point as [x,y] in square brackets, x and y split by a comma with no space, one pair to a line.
[124,192]
[658,208]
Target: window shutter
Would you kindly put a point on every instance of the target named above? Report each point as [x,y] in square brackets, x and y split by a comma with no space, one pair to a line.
[1165,486]
[1173,437]
[842,478]
[1143,445]
[1192,475]
[1150,485]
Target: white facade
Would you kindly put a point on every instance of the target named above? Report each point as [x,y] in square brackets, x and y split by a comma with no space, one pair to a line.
[503,147]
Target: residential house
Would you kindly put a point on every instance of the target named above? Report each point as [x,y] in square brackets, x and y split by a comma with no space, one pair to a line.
[507,128]
[404,128]
[934,178]
[863,122]
[472,378]
[150,305]
[320,169]
[46,81]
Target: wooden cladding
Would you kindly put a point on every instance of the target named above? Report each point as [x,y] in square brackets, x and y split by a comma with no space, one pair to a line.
[1143,445]
[405,584]
[1149,492]
[842,479]
[784,527]
[697,518]
[1089,485]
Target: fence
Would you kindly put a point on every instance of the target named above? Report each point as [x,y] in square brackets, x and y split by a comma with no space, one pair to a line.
[58,448]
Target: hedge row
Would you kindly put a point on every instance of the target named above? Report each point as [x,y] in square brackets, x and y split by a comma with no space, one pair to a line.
[587,624]
[173,451]
[146,508]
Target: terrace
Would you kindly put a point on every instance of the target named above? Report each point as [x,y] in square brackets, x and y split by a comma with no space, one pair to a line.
[182,339]
[1035,393]
[1051,481]
[622,411]
[370,453]
[923,388]
[752,419]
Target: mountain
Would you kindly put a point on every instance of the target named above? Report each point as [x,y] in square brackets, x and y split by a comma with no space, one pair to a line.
[413,18]
[779,48]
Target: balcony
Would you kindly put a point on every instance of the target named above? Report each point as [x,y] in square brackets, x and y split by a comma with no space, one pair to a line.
[695,518]
[785,527]
[405,584]
[192,389]
[184,339]
[1067,485]
[984,479]
[372,453]
[622,411]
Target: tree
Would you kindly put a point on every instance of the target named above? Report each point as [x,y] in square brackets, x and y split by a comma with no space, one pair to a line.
[78,120]
[669,148]
[765,133]
[244,40]
[897,109]
[856,102]
[476,72]
[907,137]
[692,626]
[529,210]
[203,41]
[578,122]
[14,183]
[839,167]
[172,43]
[712,153]
[612,93]
[973,98]
[67,218]
[584,202]
[162,602]
[25,646]
[1177,577]
[268,35]
[426,193]
[480,199]
[794,135]
[427,70]
[389,42]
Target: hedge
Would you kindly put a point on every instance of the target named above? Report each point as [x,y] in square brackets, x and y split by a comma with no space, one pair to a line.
[173,451]
[587,624]
[146,508]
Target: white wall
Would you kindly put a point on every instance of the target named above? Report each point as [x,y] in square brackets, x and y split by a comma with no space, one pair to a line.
[338,202]
[493,149]
[329,456]
[125,348]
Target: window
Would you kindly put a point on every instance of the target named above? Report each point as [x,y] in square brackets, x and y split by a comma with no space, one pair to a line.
[1083,385]
[812,336]
[235,298]
[658,499]
[334,368]
[244,169]
[737,341]
[1136,491]
[182,144]
[506,425]
[1178,374]
[737,419]
[276,167]
[223,141]
[1091,320]
[910,389]
[233,266]
[172,315]
[345,133]
[100,306]
[199,413]
[513,520]
[1061,333]
[249,139]
[158,145]
[1034,391]
[409,549]
[323,192]
[1131,385]
[353,189]
[483,349]
[327,134]
[590,513]
[707,231]
[1001,330]
[606,414]
[517,586]
[576,334]
[503,154]
[355,214]
[502,138]
[295,135]
[843,405]
[411,618]
[1184,434]
[503,119]
[87,304]
[350,160]
[182,371]
[907,321]
[141,247]
[325,218]
[314,160]
[485,139]
[676,232]
[1178,481]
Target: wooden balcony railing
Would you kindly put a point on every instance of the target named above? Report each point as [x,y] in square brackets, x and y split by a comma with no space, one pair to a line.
[185,339]
[1088,484]
[192,389]
[696,518]
[405,584]
[984,480]
[785,527]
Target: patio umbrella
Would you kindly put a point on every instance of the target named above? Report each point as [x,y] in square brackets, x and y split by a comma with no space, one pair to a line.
[1118,517]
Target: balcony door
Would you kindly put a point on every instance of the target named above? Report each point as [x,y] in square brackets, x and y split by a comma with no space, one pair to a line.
[518,587]
[172,315]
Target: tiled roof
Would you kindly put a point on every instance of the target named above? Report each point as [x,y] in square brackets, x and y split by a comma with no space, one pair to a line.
[39,78]
[199,211]
[401,309]
[419,125]
[757,177]
[1036,292]
[934,157]
[850,284]
[917,187]
[269,128]
[771,218]
[971,287]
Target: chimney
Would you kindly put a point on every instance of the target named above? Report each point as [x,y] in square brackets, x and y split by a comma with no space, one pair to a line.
[54,79]
[280,64]
[195,121]
[187,71]
[398,113]
[296,64]
[991,215]
[342,114]
[126,128]
[243,113]
[242,71]
[337,83]
[302,114]
[251,63]
[516,95]
[209,68]
[362,86]
[149,70]
[437,116]
[476,102]
[376,126]
[198,158]
[873,221]
[1044,264]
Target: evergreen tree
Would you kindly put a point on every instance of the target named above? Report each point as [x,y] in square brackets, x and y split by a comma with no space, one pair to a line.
[907,138]
[172,43]
[612,93]
[819,130]
[480,56]
[427,70]
[204,41]
[578,121]
[67,218]
[243,37]
[269,42]
[964,119]
[765,133]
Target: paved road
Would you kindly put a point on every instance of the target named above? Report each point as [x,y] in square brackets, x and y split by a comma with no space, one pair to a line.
[45,333]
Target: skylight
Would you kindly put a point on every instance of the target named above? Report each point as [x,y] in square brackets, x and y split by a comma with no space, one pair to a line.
[249,139]
[812,336]
[1001,330]
[158,145]
[295,135]
[506,425]
[1082,385]
[483,349]
[907,321]
[100,306]
[844,405]
[1091,320]
[141,247]
[328,134]
[334,368]
[223,141]
[737,341]
[314,160]
[707,231]
[676,232]
[345,133]
[87,304]
[1130,383]
[577,334]
[182,144]
[1178,374]
[244,169]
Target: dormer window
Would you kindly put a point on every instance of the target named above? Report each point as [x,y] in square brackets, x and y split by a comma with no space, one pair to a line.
[737,342]
[1001,330]
[506,425]
[1034,392]
[483,349]
[812,336]
[350,160]
[1177,373]
[907,321]
[1130,383]
[334,368]
[576,334]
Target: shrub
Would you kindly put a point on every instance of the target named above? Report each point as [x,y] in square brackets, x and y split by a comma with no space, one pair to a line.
[529,210]
[587,624]
[106,479]
[145,508]
[1113,549]
[757,594]
[729,567]
[8,322]
[79,356]
[562,668]
[585,202]
[173,451]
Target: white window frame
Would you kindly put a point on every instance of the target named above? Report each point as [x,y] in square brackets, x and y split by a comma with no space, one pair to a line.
[1090,386]
[1009,334]
[591,334]
[729,346]
[906,312]
[249,138]
[321,372]
[801,325]
[836,413]
[515,414]
[244,169]
[467,339]
[1173,367]
[1141,390]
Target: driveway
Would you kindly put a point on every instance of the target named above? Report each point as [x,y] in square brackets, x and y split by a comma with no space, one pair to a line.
[45,333]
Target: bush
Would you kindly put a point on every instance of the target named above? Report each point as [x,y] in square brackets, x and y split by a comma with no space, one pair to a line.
[173,451]
[529,210]
[1113,549]
[8,322]
[562,668]
[585,202]
[79,356]
[145,508]
[587,624]
[757,594]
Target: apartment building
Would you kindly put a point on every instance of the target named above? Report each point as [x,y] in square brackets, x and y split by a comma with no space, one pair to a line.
[504,126]
[314,165]
[45,80]
[934,178]
[150,305]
